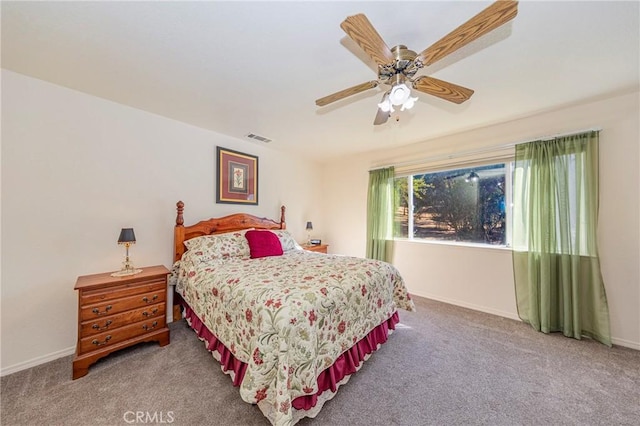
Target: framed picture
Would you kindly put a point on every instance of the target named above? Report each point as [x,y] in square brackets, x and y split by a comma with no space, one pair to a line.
[237,177]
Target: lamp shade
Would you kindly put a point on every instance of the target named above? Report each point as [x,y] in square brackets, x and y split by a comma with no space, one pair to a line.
[399,94]
[385,105]
[408,104]
[127,236]
[309,226]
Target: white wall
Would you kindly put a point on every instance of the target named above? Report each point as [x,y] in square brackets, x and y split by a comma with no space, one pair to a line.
[482,278]
[76,169]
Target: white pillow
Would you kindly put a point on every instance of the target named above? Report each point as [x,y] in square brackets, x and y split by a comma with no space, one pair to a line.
[219,246]
[287,240]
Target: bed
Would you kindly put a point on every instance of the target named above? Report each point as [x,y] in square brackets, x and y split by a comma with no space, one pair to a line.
[288,325]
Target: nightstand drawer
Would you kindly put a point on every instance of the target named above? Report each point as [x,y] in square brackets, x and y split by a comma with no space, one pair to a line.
[104,324]
[112,337]
[111,307]
[100,295]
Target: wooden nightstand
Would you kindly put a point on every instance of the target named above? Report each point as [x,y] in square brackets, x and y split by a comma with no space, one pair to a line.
[117,312]
[318,248]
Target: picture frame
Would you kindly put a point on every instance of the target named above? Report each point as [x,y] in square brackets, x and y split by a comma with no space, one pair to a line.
[236,177]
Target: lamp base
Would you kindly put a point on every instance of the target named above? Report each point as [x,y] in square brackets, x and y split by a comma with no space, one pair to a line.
[127,267]
[126,272]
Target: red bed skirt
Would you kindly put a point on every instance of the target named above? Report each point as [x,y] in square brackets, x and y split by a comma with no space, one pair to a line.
[346,364]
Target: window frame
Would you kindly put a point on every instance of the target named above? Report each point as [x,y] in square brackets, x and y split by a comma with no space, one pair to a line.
[509,166]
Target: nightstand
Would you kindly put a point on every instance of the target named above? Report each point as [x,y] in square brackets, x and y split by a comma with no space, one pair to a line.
[318,248]
[117,312]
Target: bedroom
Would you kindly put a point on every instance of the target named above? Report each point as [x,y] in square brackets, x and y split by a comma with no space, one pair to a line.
[73,176]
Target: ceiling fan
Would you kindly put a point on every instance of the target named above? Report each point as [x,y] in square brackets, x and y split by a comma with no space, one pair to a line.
[398,66]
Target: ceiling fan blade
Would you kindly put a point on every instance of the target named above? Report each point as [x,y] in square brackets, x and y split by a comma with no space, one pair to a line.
[381,116]
[362,32]
[489,19]
[442,89]
[346,92]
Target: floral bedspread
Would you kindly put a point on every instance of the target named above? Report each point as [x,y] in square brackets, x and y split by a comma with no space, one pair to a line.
[289,317]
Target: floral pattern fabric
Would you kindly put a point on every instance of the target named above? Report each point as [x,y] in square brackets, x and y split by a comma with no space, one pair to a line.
[219,246]
[287,240]
[289,317]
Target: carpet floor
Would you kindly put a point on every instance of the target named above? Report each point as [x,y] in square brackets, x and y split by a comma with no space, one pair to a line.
[444,365]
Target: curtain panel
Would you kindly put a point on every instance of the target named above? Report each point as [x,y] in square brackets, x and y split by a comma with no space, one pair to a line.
[559,286]
[380,210]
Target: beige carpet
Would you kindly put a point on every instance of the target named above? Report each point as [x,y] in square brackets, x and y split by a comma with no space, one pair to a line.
[444,365]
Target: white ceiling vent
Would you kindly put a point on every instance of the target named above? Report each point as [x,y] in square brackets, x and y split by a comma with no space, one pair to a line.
[258,138]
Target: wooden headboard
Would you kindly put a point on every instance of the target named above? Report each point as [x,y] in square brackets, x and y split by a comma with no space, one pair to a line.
[234,222]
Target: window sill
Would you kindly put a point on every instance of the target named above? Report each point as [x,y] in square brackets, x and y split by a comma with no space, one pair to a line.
[454,243]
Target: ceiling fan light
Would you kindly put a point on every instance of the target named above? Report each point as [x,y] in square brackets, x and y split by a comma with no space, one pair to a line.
[399,94]
[385,105]
[409,103]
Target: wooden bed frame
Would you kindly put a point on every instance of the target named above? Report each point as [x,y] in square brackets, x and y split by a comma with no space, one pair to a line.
[234,222]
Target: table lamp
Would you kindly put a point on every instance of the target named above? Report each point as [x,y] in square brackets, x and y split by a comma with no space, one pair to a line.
[127,237]
[309,229]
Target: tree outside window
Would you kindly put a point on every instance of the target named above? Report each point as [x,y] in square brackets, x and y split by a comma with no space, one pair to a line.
[465,205]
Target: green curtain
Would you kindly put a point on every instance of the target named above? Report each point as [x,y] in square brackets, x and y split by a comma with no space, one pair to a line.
[380,210]
[559,285]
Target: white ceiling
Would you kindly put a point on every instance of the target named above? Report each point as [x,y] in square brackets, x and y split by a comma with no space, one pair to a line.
[257,67]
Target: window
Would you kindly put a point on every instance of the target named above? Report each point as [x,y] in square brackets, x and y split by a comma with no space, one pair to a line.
[466,205]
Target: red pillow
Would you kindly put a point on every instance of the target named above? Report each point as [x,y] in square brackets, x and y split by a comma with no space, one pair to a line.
[263,244]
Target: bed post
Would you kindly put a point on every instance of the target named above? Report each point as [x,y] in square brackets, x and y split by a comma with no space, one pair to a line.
[283,224]
[178,233]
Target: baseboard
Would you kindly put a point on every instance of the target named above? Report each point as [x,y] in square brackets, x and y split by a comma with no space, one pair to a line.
[626,343]
[471,306]
[614,340]
[37,361]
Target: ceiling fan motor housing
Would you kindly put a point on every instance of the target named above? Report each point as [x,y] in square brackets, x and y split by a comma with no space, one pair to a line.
[402,67]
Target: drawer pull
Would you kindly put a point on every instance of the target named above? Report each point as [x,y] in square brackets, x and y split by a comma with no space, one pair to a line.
[106,325]
[146,327]
[97,343]
[106,310]
[152,314]
[146,299]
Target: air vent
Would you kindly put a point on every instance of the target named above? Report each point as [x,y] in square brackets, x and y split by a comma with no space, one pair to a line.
[258,138]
